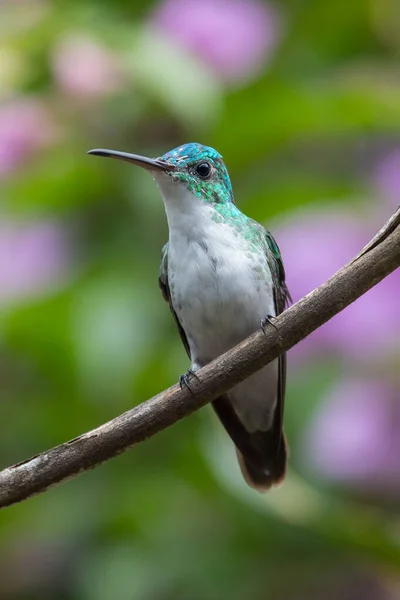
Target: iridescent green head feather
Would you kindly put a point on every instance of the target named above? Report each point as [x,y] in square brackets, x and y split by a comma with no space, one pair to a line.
[203,171]
[200,168]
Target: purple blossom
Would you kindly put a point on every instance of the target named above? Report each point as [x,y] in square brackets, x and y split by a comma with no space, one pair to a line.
[354,437]
[82,67]
[314,246]
[235,37]
[33,259]
[25,128]
[387,178]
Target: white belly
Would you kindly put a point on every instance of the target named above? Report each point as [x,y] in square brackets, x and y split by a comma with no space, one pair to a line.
[220,293]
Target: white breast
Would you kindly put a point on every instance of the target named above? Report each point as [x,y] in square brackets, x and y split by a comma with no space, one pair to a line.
[215,284]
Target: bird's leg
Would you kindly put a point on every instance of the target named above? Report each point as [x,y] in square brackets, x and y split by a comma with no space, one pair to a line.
[270,320]
[184,379]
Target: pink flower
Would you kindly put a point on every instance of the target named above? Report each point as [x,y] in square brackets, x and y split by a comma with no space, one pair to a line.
[235,37]
[314,246]
[354,437]
[387,178]
[82,67]
[33,259]
[25,127]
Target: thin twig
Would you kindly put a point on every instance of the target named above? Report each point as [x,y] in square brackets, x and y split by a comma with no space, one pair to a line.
[382,234]
[379,258]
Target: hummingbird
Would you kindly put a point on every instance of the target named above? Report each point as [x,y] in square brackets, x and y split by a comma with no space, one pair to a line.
[223,278]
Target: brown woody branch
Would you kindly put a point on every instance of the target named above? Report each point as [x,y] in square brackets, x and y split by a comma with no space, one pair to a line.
[379,258]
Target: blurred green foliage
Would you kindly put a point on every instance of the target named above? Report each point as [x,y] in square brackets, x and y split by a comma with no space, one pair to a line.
[172,518]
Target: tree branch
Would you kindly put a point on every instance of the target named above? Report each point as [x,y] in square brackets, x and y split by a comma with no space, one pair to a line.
[379,258]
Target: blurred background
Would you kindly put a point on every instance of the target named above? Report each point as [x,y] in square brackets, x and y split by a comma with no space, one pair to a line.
[302,98]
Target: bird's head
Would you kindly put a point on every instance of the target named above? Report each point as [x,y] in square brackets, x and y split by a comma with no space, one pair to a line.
[189,170]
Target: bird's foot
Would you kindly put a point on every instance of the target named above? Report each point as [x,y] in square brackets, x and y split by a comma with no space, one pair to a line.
[270,320]
[184,379]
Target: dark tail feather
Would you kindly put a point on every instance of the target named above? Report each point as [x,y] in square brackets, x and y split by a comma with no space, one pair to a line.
[269,470]
[262,454]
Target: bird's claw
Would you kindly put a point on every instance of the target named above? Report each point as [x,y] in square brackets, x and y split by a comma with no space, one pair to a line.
[184,379]
[270,320]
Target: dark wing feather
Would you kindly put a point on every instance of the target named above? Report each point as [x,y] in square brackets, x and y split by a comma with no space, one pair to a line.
[281,298]
[281,293]
[163,283]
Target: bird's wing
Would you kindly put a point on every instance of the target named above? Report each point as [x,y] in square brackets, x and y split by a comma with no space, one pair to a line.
[281,299]
[281,293]
[163,283]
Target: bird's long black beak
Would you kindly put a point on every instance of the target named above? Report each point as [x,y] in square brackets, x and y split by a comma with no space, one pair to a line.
[151,164]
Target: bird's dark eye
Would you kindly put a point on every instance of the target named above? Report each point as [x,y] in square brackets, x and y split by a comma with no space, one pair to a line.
[203,170]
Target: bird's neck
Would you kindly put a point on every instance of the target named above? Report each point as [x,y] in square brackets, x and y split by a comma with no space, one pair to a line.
[196,218]
[187,214]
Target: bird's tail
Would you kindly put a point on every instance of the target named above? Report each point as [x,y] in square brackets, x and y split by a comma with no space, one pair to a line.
[270,468]
[262,455]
